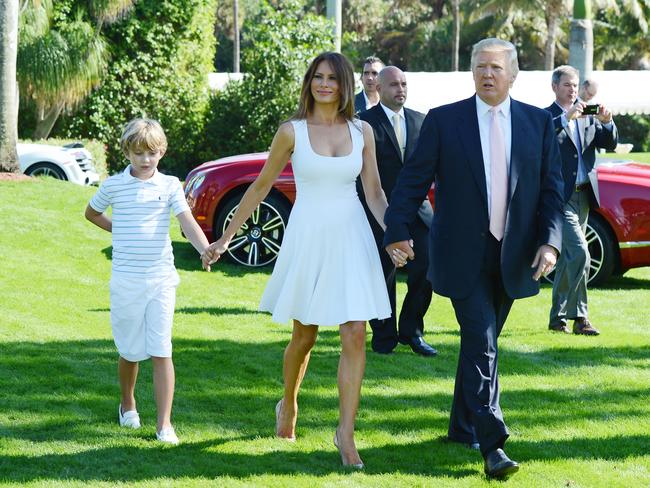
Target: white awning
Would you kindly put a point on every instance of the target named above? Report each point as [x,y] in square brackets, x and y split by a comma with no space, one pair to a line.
[623,92]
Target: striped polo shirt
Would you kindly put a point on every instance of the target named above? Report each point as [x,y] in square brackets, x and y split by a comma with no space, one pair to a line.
[141,243]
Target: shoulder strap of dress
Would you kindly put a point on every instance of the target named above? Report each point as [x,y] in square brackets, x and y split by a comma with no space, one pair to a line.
[299,134]
[356,131]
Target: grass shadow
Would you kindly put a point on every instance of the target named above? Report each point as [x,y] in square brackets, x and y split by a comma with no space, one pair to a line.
[67,391]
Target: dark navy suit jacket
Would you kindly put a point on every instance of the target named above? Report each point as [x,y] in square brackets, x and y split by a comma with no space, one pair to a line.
[449,151]
[389,156]
[593,135]
[359,103]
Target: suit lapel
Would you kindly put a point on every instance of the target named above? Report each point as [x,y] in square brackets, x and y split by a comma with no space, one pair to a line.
[519,128]
[470,137]
[572,133]
[411,139]
[557,111]
[388,127]
[582,124]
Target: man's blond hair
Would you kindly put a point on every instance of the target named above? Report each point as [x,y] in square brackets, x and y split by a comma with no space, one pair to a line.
[143,133]
[492,44]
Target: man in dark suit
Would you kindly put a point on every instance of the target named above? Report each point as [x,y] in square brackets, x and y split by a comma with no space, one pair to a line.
[497,228]
[396,132]
[368,97]
[578,136]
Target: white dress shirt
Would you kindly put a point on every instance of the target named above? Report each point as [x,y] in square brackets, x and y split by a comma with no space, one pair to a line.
[484,117]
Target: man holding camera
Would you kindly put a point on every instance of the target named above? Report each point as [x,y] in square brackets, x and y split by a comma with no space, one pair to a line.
[580,129]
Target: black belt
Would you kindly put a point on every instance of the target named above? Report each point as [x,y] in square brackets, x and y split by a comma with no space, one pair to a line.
[582,187]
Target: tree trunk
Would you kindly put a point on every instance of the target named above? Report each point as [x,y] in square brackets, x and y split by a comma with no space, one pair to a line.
[455,42]
[8,85]
[581,39]
[335,12]
[235,42]
[552,20]
[46,120]
[581,46]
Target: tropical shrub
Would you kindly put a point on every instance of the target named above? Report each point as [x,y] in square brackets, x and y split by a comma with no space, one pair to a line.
[278,46]
[161,56]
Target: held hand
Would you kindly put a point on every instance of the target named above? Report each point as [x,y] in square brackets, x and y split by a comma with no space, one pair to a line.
[400,251]
[213,252]
[576,110]
[206,259]
[604,115]
[544,261]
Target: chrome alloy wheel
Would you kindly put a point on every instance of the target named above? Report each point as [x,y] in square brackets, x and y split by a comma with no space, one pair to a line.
[257,242]
[596,252]
[602,251]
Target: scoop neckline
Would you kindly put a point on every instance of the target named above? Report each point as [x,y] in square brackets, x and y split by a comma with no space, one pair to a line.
[311,148]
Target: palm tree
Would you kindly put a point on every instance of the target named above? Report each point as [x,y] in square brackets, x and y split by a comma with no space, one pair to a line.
[619,32]
[59,64]
[554,11]
[581,42]
[8,94]
[455,40]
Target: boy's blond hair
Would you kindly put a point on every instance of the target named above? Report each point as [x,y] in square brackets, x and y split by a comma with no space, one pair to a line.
[143,133]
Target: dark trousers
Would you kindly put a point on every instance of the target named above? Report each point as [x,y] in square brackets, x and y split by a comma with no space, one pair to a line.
[475,413]
[385,335]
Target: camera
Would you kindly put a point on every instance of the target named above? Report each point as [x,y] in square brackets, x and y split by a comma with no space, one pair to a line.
[591,109]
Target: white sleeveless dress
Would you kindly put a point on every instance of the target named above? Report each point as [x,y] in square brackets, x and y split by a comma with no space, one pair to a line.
[328,270]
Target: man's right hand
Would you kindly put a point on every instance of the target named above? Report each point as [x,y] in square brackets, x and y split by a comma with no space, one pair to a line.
[400,251]
[576,110]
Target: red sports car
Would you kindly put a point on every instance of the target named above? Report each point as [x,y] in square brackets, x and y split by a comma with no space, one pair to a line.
[618,232]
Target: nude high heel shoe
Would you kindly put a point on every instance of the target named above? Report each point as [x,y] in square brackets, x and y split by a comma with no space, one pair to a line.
[278,409]
[336,444]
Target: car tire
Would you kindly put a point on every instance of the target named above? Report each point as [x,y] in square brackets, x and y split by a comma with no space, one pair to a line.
[46,169]
[258,241]
[602,251]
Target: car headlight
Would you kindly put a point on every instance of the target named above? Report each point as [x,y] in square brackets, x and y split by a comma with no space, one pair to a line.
[194,183]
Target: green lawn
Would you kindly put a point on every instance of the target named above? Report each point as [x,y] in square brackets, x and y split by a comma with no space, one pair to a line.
[578,407]
[639,157]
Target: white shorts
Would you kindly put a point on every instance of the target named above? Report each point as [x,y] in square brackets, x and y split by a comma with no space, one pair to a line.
[142,314]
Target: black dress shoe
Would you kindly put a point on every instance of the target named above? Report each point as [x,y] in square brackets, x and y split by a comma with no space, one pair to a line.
[420,347]
[498,465]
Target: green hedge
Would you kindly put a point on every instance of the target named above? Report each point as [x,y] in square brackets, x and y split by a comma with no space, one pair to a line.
[634,129]
[279,44]
[161,54]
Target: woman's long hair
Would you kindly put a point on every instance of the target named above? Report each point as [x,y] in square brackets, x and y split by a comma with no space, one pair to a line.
[345,78]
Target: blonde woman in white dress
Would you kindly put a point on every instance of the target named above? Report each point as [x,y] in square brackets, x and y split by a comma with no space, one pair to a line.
[328,271]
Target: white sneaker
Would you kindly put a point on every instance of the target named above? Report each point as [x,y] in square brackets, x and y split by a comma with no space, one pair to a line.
[167,435]
[129,419]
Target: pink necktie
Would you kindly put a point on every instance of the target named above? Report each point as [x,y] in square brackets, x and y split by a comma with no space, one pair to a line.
[498,177]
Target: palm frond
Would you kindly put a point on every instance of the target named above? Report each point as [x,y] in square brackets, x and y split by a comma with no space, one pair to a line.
[62,65]
[107,11]
[34,20]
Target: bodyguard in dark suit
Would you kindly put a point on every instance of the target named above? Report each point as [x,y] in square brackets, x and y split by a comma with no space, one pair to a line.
[579,136]
[497,228]
[368,97]
[396,132]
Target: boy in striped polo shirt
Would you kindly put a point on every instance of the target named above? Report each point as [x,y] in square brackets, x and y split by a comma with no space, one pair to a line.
[144,279]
